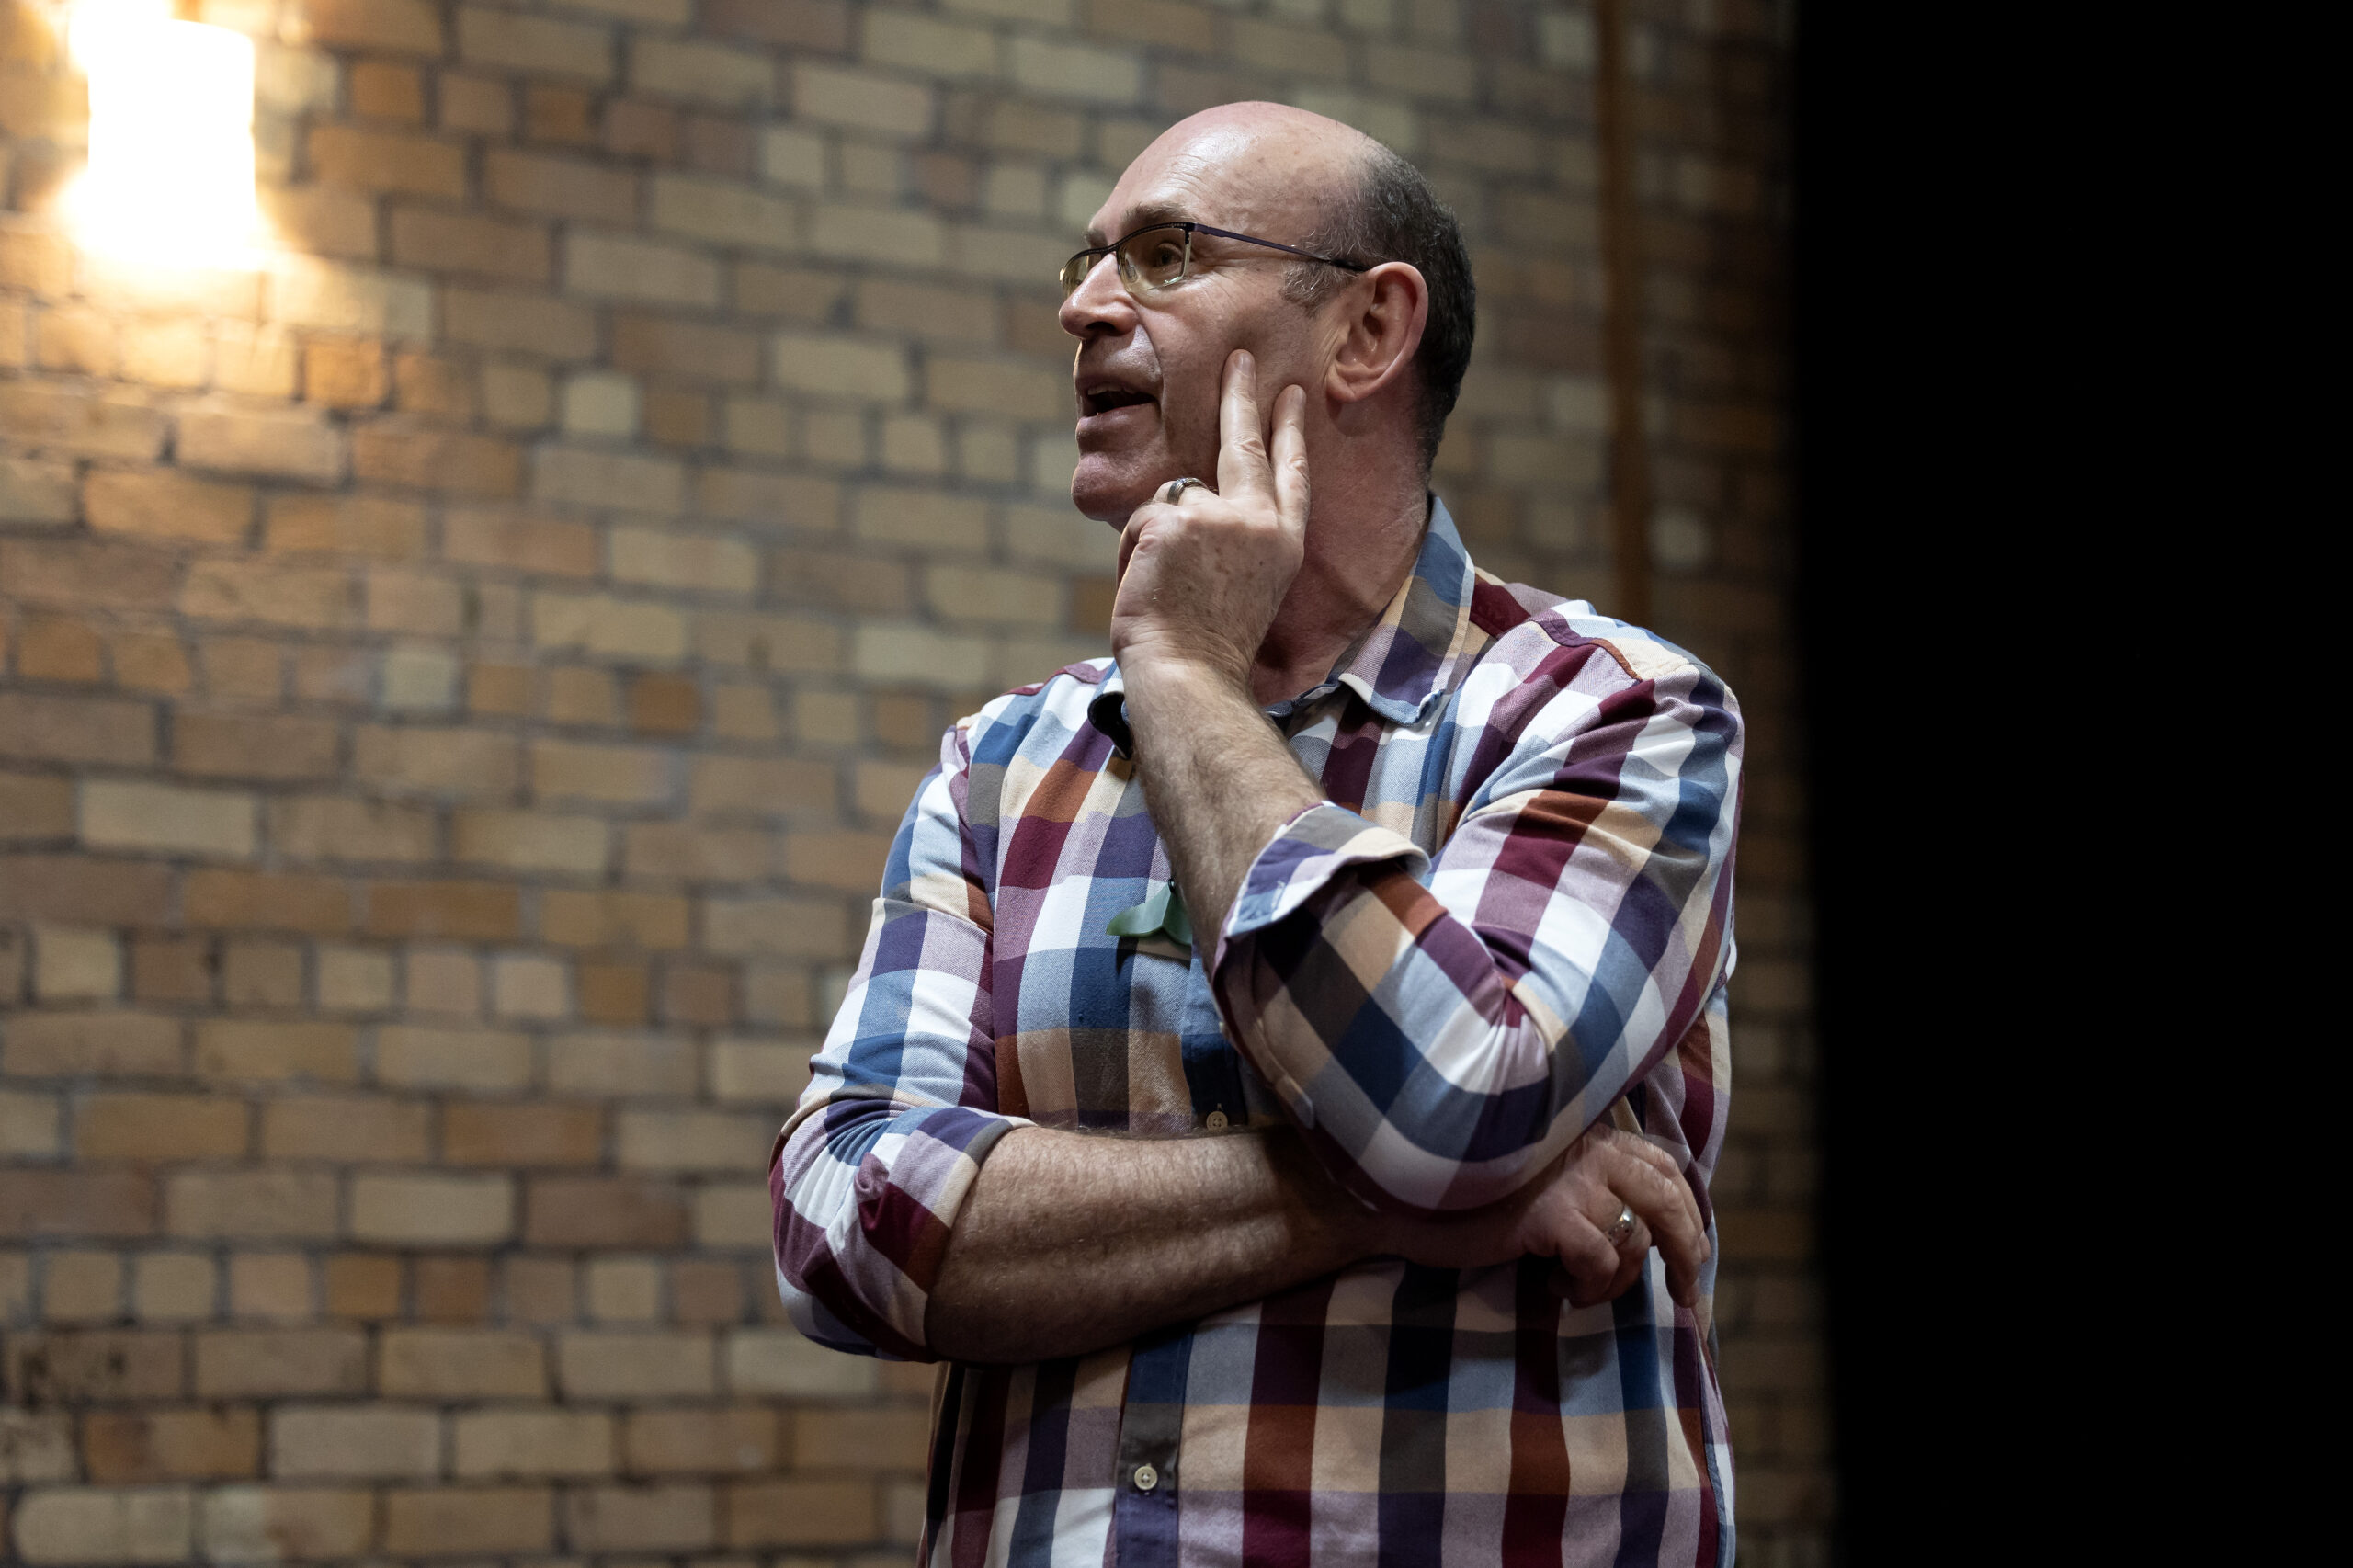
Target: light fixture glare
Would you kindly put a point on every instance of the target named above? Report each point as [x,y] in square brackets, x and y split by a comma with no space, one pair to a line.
[171,174]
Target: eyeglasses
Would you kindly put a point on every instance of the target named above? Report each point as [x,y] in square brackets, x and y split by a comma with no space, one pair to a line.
[1161,254]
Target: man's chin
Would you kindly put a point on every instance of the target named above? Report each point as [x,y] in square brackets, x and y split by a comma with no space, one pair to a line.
[1108,489]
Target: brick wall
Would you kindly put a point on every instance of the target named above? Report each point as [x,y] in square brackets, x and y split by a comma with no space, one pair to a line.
[458,681]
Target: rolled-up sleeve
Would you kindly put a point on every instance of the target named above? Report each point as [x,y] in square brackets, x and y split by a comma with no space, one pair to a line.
[1442,1028]
[867,1176]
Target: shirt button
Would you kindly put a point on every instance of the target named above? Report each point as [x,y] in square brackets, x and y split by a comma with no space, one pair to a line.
[1217,1123]
[1146,1478]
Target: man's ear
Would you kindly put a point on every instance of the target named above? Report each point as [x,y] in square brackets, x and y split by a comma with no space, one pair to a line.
[1384,311]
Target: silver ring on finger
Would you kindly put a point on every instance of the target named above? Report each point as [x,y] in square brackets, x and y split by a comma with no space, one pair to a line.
[1622,1226]
[1174,491]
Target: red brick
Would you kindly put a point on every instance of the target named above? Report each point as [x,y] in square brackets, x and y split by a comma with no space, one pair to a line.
[818,25]
[218,1444]
[266,901]
[461,1363]
[221,745]
[387,160]
[347,1129]
[675,1517]
[452,1289]
[155,1128]
[439,460]
[491,1134]
[522,542]
[88,574]
[163,505]
[399,27]
[345,373]
[594,1211]
[108,1044]
[363,1286]
[271,1362]
[170,969]
[487,247]
[76,729]
[79,889]
[381,91]
[612,993]
[59,650]
[561,188]
[479,911]
[740,1439]
[690,350]
[800,1513]
[491,1521]
[77,1204]
[95,1366]
[566,116]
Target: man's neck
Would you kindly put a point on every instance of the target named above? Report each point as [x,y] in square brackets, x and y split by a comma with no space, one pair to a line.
[1360,548]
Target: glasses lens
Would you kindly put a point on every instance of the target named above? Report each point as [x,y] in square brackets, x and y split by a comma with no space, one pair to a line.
[1075,269]
[1154,258]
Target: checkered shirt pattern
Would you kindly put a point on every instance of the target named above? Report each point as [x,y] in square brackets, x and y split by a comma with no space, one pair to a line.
[1511,917]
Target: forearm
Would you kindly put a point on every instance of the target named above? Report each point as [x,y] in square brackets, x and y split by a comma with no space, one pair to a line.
[1218,779]
[1069,1242]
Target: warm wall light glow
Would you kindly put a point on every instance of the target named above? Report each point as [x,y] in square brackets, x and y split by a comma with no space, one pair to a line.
[171,174]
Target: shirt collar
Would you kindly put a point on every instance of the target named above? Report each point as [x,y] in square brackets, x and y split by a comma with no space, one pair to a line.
[1405,662]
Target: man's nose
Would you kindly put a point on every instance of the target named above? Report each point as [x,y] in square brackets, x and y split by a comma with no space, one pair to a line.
[1101,305]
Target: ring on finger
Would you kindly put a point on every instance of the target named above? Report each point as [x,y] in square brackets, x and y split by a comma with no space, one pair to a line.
[1174,491]
[1622,1226]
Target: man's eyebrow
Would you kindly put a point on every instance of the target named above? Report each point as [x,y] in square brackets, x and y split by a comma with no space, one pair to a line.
[1142,218]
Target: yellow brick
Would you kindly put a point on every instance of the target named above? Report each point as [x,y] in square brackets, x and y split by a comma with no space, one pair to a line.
[346,1129]
[609,267]
[482,1060]
[259,1205]
[665,558]
[701,72]
[82,1287]
[100,1524]
[540,46]
[533,841]
[452,1363]
[860,100]
[633,1365]
[336,827]
[490,1520]
[166,353]
[76,966]
[271,1285]
[269,1053]
[532,1444]
[435,760]
[168,819]
[861,1439]
[693,1141]
[382,1444]
[858,368]
[257,1524]
[740,1439]
[674,1516]
[159,1127]
[356,525]
[617,775]
[800,1513]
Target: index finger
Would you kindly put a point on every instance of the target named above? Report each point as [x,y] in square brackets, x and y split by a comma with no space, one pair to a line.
[1243,470]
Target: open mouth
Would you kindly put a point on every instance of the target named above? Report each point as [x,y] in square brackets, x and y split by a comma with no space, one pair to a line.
[1104,399]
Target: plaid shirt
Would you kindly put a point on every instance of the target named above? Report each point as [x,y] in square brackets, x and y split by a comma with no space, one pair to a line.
[1511,917]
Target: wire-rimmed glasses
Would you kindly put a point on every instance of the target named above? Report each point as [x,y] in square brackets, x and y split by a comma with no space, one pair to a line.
[1161,254]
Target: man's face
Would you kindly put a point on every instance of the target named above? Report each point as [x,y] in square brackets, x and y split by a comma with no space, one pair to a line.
[1149,366]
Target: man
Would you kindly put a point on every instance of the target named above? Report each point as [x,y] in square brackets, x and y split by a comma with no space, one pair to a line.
[1227,1088]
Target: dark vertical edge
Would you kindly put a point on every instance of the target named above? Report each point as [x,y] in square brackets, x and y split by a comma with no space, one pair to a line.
[1615,129]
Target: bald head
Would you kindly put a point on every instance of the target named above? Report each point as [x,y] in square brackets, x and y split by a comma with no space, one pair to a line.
[1257,162]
